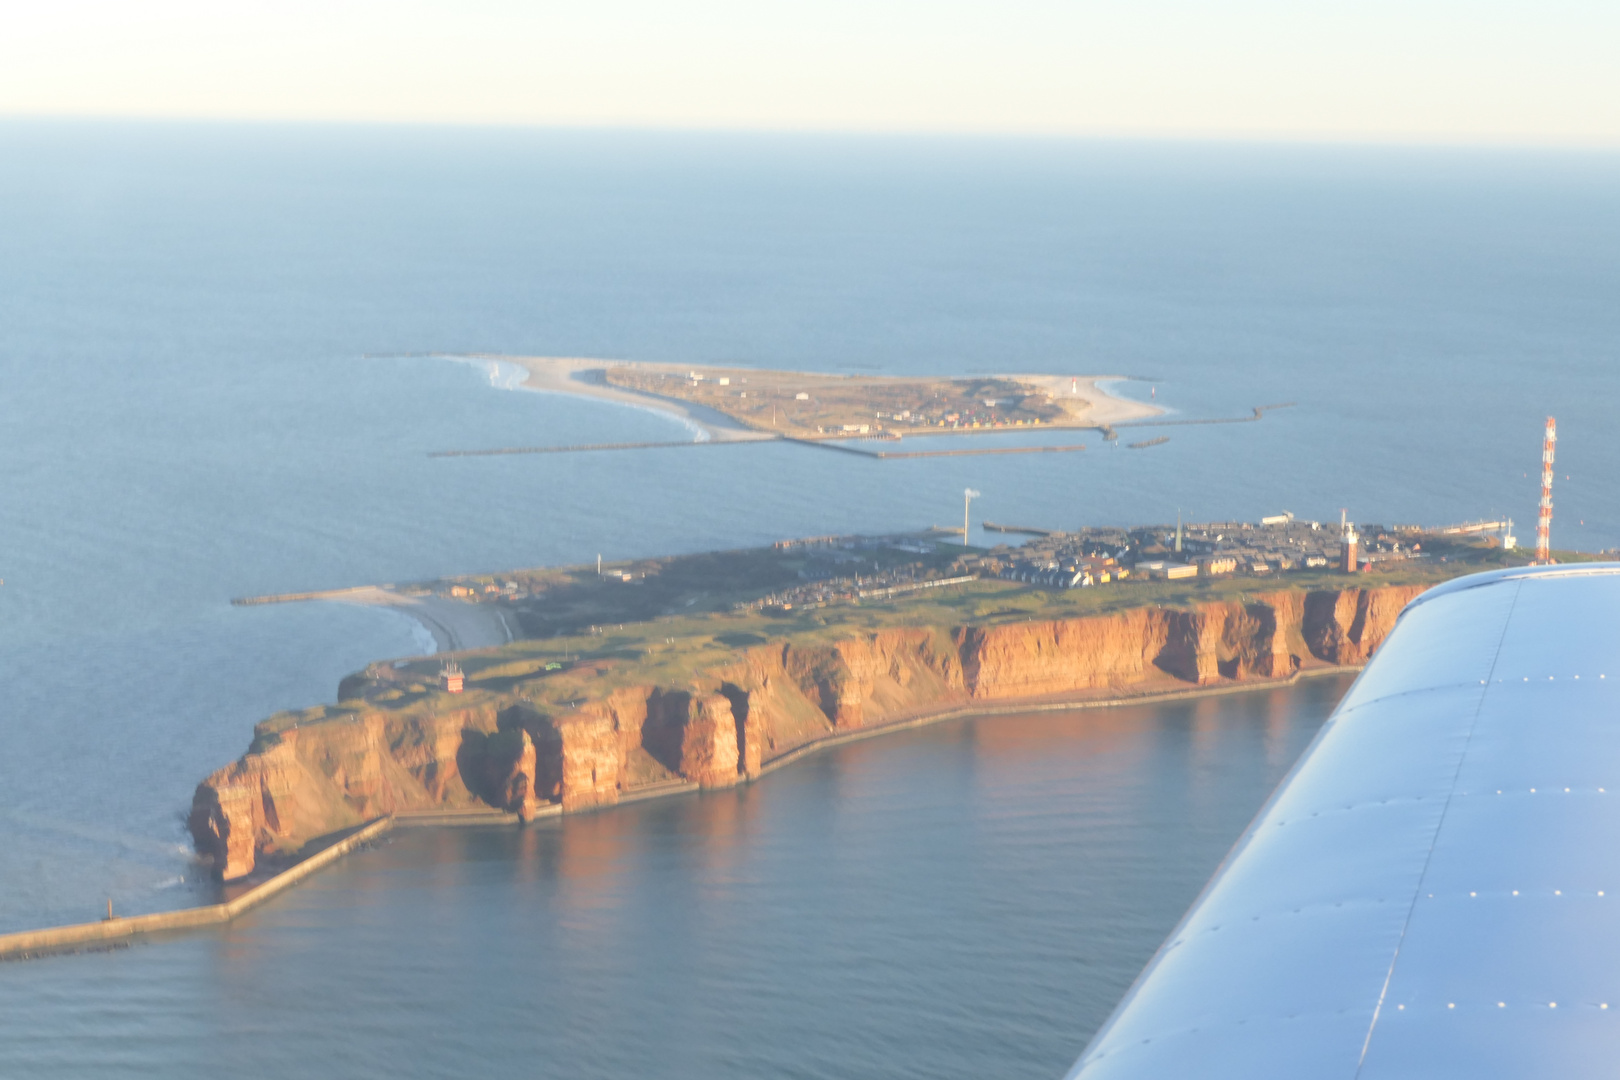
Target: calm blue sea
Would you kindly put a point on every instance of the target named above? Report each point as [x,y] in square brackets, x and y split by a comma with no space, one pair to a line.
[205,393]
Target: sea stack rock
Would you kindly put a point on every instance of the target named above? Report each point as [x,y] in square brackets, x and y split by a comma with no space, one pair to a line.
[517,786]
[709,742]
[221,824]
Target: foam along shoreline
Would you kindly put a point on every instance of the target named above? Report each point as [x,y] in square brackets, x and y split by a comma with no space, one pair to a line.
[106,933]
[455,626]
[582,377]
[1102,382]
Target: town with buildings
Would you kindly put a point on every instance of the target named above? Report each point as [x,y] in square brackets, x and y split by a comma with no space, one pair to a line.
[815,572]
[1274,545]
[793,576]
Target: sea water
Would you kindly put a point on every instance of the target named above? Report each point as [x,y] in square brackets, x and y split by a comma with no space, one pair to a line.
[967,900]
[219,350]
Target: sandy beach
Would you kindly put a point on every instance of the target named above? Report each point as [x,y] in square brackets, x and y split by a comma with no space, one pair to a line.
[583,376]
[456,626]
[1105,408]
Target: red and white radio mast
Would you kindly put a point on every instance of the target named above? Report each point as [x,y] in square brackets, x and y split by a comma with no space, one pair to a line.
[1544,521]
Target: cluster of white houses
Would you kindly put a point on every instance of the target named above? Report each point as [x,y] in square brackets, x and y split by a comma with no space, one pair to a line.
[1100,556]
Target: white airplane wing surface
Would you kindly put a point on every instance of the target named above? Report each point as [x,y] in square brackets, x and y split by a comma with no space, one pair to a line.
[1434,890]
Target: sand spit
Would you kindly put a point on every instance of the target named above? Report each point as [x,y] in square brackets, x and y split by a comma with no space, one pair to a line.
[583,377]
[456,626]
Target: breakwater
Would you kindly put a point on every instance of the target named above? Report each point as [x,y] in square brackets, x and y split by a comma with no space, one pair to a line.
[973,453]
[828,742]
[583,447]
[26,944]
[295,597]
[112,932]
[108,931]
[991,526]
[835,441]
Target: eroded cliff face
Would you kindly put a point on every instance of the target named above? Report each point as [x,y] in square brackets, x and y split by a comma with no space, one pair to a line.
[305,782]
[727,722]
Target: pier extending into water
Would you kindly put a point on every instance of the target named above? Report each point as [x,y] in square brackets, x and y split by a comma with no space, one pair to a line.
[294,597]
[966,453]
[109,932]
[583,447]
[112,929]
[991,526]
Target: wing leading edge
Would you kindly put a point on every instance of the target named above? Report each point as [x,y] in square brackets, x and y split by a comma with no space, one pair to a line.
[1434,890]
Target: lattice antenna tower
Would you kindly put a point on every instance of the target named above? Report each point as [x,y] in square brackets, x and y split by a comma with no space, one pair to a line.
[1544,517]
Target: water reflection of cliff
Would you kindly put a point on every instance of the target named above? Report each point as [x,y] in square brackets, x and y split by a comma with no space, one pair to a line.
[980,892]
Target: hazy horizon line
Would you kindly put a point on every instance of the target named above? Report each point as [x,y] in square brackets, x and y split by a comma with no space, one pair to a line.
[1234,137]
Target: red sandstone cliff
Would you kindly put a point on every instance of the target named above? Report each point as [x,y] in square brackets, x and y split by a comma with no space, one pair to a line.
[727,722]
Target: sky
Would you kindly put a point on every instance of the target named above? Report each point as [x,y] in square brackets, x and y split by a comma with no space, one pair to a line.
[1409,71]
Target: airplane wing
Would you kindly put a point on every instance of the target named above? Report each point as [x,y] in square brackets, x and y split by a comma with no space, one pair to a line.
[1434,890]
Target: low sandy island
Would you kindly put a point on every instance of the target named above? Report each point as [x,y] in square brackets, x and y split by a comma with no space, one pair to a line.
[584,377]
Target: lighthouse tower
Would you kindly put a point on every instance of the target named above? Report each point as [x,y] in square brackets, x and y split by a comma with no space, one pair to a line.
[1349,546]
[450,677]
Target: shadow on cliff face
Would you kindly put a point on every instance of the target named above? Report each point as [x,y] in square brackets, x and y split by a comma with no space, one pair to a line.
[1238,651]
[494,764]
[823,676]
[1179,655]
[1333,624]
[665,727]
[473,761]
[739,712]
[1251,646]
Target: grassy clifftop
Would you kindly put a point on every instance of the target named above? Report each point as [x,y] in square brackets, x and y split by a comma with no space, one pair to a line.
[572,664]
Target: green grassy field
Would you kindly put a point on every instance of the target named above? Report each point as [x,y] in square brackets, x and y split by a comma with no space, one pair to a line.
[681,621]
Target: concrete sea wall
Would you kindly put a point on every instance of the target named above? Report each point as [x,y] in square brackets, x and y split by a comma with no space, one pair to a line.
[82,935]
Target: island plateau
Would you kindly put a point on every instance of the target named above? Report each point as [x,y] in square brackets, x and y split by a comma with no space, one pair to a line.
[668,675]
